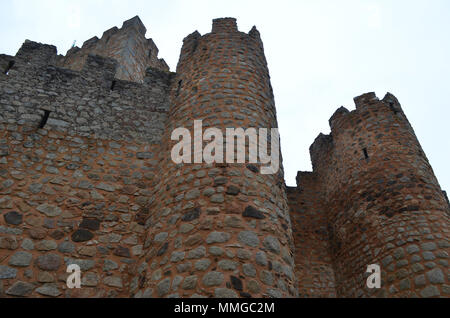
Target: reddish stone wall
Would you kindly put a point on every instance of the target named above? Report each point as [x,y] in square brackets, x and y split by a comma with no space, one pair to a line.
[96,185]
[220,230]
[383,202]
[313,262]
[71,200]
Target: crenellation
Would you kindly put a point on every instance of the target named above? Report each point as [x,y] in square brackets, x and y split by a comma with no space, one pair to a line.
[365,99]
[37,53]
[224,25]
[135,23]
[87,178]
[90,43]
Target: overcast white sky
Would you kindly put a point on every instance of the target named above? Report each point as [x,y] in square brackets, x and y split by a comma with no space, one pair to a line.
[320,53]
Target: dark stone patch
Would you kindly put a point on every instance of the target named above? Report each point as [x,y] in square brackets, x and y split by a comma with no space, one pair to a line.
[82,236]
[220,181]
[72,166]
[236,283]
[90,224]
[251,212]
[253,168]
[191,215]
[163,249]
[14,218]
[144,155]
[57,235]
[122,252]
[233,190]
[245,295]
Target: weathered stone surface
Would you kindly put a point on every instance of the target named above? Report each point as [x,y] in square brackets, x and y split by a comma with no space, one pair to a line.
[213,279]
[191,215]
[7,272]
[233,190]
[163,287]
[227,265]
[113,281]
[66,247]
[90,280]
[20,259]
[261,258]
[248,238]
[49,210]
[198,252]
[430,291]
[9,243]
[225,293]
[218,237]
[46,245]
[20,289]
[122,251]
[50,290]
[190,282]
[436,276]
[49,262]
[110,265]
[202,264]
[272,244]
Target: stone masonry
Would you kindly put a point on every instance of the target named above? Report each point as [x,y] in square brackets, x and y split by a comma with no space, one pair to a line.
[86,178]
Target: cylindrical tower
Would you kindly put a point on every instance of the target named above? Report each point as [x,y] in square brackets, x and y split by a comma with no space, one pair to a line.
[220,229]
[385,205]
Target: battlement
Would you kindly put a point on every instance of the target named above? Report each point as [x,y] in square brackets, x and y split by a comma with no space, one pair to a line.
[37,53]
[135,23]
[224,25]
[140,108]
[128,45]
[369,102]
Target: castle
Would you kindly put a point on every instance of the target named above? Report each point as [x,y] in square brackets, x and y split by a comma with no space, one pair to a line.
[86,178]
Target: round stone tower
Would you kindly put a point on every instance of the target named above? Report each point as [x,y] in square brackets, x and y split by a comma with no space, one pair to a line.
[220,229]
[385,205]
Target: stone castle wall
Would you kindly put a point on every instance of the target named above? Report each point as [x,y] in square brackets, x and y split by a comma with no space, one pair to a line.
[75,191]
[86,178]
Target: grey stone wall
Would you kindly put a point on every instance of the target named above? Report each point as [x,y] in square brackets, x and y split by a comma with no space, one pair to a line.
[88,103]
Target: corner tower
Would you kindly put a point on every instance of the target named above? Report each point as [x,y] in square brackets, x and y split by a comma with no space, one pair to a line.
[383,203]
[219,230]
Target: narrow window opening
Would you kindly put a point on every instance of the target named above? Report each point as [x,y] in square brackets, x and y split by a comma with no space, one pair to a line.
[9,67]
[194,48]
[150,53]
[179,87]
[366,154]
[44,119]
[113,85]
